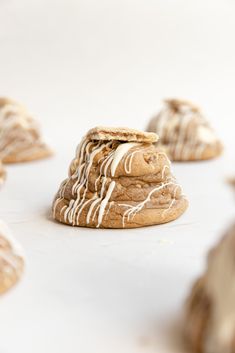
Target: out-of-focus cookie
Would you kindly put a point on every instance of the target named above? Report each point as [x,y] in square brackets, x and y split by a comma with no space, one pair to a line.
[11,260]
[184,132]
[20,139]
[118,179]
[2,174]
[232,182]
[210,309]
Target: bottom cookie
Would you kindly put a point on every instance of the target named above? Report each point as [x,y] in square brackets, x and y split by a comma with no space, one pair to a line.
[31,153]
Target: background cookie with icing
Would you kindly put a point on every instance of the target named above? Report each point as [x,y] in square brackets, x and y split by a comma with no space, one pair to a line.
[184,132]
[20,138]
[11,259]
[119,179]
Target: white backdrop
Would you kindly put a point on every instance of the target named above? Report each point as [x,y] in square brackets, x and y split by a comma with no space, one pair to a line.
[76,64]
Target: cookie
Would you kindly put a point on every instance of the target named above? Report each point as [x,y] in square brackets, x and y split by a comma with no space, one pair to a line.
[20,139]
[210,310]
[121,134]
[184,132]
[232,182]
[2,174]
[11,260]
[118,179]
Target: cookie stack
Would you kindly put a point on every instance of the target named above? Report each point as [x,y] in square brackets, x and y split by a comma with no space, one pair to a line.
[119,179]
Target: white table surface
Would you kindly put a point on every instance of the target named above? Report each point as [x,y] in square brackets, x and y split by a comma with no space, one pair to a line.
[81,63]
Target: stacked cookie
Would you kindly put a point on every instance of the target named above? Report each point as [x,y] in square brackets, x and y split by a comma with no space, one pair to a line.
[184,132]
[119,179]
[20,138]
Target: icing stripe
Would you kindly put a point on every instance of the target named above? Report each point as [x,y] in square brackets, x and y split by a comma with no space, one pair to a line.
[119,153]
[104,203]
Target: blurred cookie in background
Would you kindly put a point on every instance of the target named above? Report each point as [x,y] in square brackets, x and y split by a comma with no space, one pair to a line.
[232,182]
[11,259]
[210,309]
[184,132]
[20,138]
[2,174]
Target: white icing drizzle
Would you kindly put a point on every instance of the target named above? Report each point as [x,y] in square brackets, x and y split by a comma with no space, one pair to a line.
[119,153]
[164,171]
[177,187]
[104,202]
[184,130]
[133,210]
[86,153]
[97,207]
[18,131]
[128,161]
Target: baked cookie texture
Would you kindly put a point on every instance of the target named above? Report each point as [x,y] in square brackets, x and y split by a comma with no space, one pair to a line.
[210,309]
[20,139]
[11,260]
[118,179]
[184,132]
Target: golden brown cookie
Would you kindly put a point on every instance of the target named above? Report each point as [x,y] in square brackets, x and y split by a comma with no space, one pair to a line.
[184,132]
[20,139]
[210,309]
[118,183]
[11,260]
[121,134]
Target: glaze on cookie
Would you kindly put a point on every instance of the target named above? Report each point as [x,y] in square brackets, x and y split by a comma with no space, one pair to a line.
[20,139]
[118,179]
[184,132]
[210,309]
[11,260]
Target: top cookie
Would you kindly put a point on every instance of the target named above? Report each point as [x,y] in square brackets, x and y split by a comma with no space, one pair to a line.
[121,134]
[178,104]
